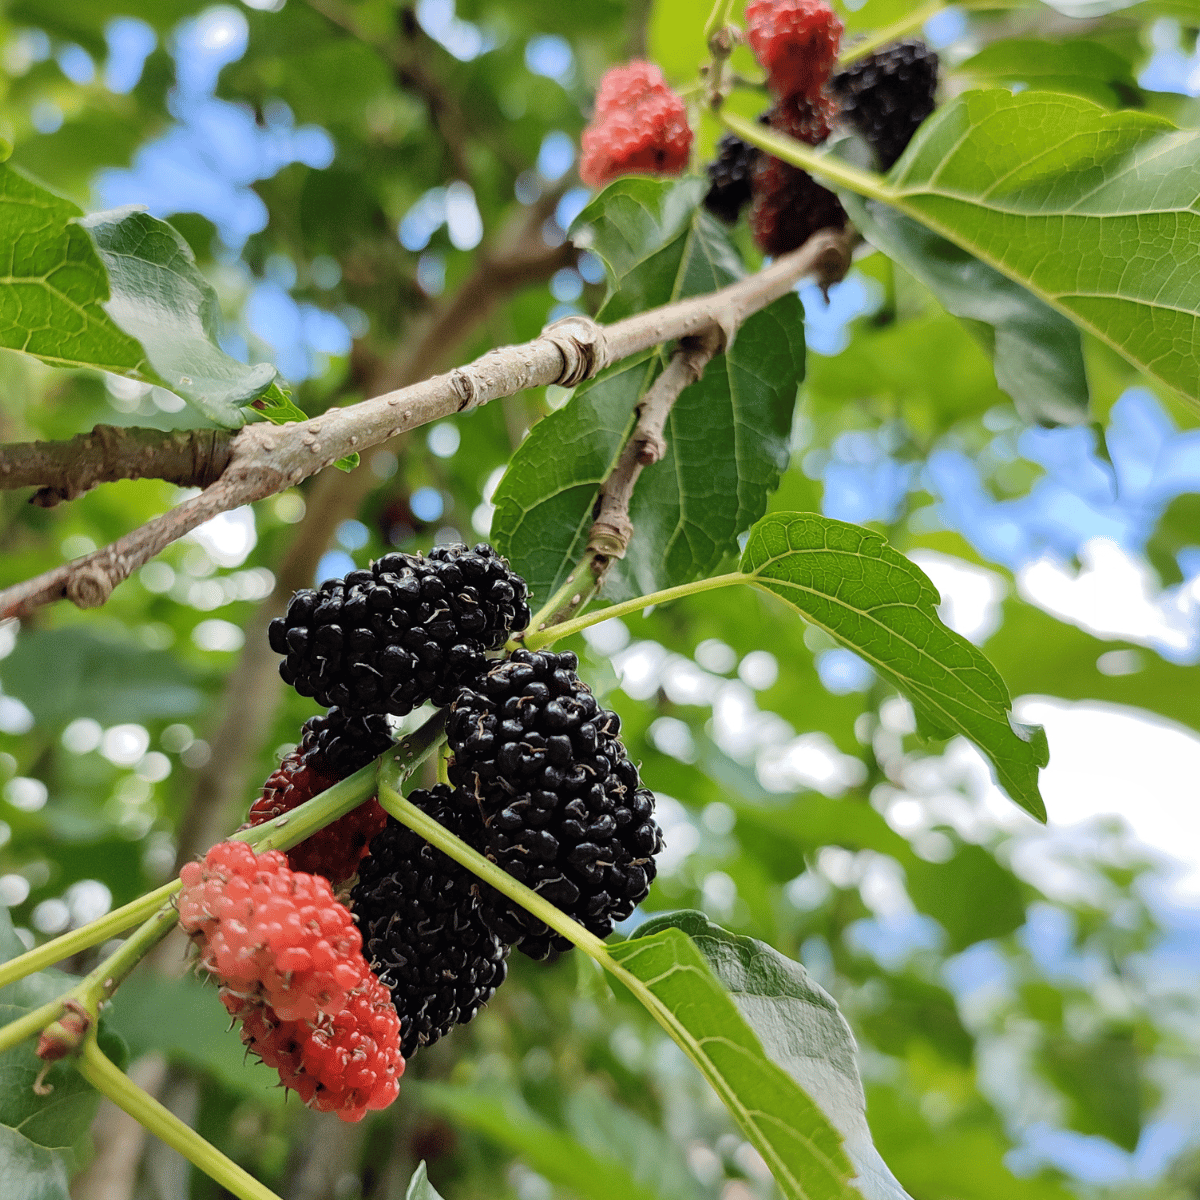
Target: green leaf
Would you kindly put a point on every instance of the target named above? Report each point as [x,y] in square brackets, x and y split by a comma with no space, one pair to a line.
[1037,354]
[801,1147]
[54,287]
[657,242]
[119,292]
[1102,1079]
[42,1138]
[419,1187]
[727,436]
[1080,67]
[505,1118]
[160,296]
[278,407]
[1097,213]
[851,583]
[800,1029]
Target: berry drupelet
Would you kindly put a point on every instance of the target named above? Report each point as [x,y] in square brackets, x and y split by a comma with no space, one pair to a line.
[422,925]
[289,960]
[410,629]
[640,126]
[887,95]
[563,808]
[796,43]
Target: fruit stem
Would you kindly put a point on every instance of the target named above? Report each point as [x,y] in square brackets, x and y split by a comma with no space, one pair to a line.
[864,183]
[897,29]
[87,996]
[543,637]
[568,600]
[717,19]
[95,1066]
[85,937]
[438,836]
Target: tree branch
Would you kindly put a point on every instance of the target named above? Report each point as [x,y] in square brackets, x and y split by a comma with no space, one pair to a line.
[66,470]
[266,459]
[612,530]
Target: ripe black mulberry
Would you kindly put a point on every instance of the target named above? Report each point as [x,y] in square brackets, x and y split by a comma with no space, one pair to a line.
[422,923]
[886,96]
[410,629]
[563,808]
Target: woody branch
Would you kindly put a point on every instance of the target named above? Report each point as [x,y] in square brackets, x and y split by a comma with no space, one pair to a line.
[267,459]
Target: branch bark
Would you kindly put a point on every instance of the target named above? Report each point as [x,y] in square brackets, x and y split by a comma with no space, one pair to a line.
[610,533]
[267,459]
[66,470]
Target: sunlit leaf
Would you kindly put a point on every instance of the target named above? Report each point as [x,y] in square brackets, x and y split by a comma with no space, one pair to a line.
[727,436]
[1062,196]
[851,583]
[161,298]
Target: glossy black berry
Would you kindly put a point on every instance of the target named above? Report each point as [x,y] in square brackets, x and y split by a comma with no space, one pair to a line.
[422,926]
[563,808]
[730,176]
[886,95]
[410,629]
[339,743]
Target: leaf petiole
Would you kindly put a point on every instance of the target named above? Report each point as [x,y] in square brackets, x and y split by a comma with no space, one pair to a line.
[543,637]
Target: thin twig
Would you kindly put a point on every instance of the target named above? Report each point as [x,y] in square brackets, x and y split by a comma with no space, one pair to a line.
[612,529]
[267,459]
[66,470]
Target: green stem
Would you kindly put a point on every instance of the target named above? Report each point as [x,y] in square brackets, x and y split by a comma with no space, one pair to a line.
[98,986]
[96,1068]
[31,1024]
[915,19]
[562,599]
[717,19]
[865,183]
[543,637]
[84,938]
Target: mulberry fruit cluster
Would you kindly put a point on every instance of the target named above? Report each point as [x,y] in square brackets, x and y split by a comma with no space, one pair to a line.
[542,786]
[563,808]
[789,205]
[640,127]
[730,178]
[289,961]
[410,629]
[796,43]
[331,748]
[886,95]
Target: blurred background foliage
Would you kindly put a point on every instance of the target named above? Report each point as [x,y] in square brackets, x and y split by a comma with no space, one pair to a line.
[379,190]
